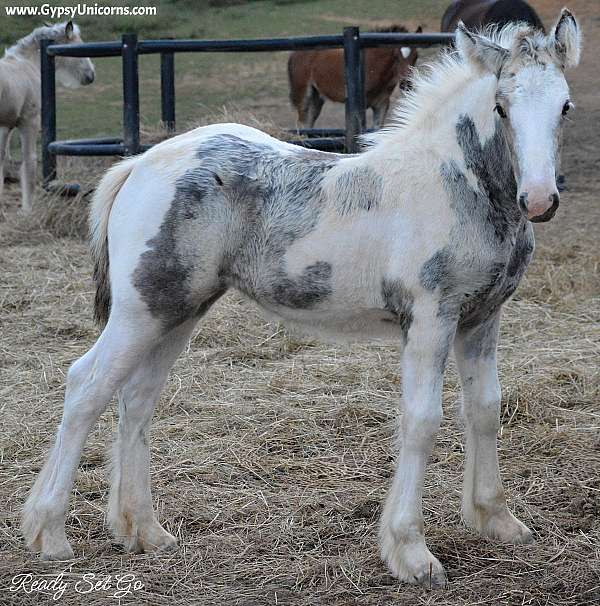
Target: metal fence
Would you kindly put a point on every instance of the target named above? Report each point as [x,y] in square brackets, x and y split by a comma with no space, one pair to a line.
[129,48]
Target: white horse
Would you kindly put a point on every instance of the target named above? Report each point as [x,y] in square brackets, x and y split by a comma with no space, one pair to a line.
[422,238]
[20,95]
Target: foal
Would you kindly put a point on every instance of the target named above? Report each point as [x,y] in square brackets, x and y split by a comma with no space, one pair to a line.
[20,95]
[318,75]
[422,238]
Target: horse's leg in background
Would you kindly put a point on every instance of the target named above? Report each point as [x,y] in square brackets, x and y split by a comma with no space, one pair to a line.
[311,108]
[380,110]
[130,512]
[484,504]
[401,534]
[28,134]
[91,382]
[4,139]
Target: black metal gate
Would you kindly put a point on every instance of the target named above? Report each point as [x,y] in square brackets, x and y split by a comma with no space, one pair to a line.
[129,48]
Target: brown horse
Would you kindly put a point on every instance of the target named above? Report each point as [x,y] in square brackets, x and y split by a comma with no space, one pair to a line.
[318,75]
[476,14]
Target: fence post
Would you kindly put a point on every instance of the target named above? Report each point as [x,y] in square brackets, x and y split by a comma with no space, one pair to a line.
[131,95]
[355,96]
[48,117]
[167,90]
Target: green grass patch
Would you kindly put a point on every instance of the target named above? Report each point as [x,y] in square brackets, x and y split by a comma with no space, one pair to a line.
[255,82]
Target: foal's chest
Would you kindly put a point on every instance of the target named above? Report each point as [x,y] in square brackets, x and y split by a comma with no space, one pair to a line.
[505,270]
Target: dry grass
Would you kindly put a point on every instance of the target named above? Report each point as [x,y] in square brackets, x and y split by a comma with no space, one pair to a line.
[272,454]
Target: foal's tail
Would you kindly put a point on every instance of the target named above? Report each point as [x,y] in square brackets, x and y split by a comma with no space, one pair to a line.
[102,202]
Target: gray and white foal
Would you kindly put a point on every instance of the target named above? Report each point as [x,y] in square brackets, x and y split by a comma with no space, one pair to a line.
[422,238]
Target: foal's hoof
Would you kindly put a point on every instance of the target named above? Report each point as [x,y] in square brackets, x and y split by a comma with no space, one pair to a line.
[52,547]
[152,539]
[60,553]
[504,527]
[412,563]
[50,542]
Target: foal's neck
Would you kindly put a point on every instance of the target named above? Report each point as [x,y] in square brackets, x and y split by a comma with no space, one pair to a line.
[27,48]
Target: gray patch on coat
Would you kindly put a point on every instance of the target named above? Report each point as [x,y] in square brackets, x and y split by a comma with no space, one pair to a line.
[247,203]
[484,302]
[312,286]
[477,286]
[286,208]
[163,276]
[358,189]
[399,302]
[504,278]
[495,199]
[481,340]
[439,273]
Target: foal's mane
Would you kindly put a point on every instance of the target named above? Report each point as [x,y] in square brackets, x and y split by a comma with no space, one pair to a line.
[32,41]
[444,78]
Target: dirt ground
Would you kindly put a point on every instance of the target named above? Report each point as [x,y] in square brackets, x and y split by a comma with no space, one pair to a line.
[271,454]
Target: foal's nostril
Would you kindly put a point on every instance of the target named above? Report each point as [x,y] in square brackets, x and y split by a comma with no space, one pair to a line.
[523,203]
[89,78]
[550,212]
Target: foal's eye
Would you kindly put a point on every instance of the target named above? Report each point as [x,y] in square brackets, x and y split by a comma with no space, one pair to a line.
[500,110]
[566,107]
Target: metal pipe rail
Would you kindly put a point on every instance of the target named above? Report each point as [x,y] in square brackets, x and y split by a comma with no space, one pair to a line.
[145,47]
[129,48]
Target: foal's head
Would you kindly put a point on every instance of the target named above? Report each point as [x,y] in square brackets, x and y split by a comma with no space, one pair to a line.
[71,71]
[532,100]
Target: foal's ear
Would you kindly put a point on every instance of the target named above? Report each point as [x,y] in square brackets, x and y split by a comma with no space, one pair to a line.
[480,50]
[565,38]
[69,29]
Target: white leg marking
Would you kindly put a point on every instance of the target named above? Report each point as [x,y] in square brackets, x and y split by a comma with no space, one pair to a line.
[130,507]
[28,136]
[484,504]
[402,537]
[91,383]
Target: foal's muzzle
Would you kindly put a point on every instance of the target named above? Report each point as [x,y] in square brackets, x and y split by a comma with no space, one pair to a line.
[547,215]
[88,77]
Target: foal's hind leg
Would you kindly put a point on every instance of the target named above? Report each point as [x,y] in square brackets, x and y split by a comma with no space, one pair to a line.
[4,140]
[484,504]
[130,508]
[91,382]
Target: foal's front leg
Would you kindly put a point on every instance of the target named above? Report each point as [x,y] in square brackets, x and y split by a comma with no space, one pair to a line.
[484,504]
[402,537]
[28,134]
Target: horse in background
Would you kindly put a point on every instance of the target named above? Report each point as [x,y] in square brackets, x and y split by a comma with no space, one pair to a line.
[476,14]
[315,76]
[20,96]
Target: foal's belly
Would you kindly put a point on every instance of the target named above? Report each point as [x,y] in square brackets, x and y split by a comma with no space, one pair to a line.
[338,326]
